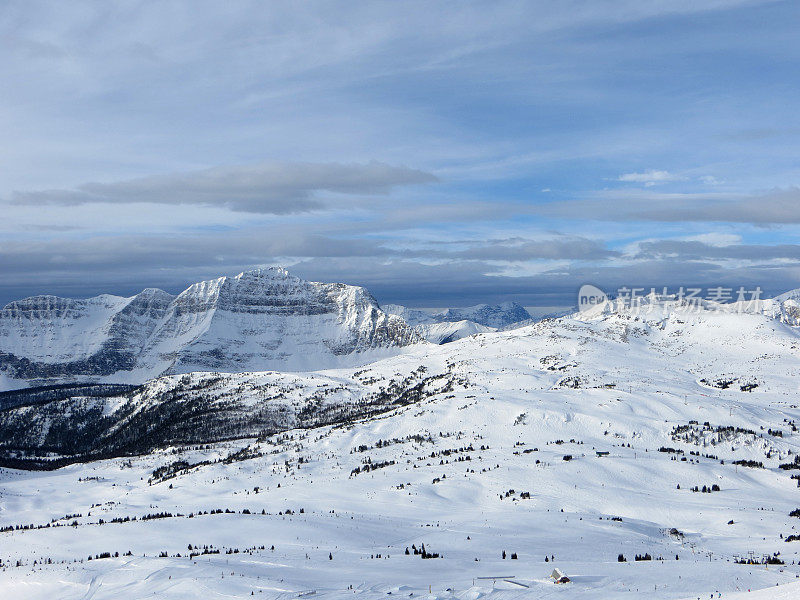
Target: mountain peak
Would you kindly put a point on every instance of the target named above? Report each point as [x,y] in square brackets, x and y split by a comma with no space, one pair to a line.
[488,315]
[154,293]
[497,315]
[266,273]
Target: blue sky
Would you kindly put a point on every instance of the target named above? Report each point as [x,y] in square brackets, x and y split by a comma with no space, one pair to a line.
[438,153]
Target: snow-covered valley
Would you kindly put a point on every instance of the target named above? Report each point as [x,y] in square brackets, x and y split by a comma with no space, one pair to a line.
[564,444]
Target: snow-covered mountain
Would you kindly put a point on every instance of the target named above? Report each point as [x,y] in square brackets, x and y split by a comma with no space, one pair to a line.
[668,436]
[259,320]
[446,331]
[412,316]
[604,349]
[455,323]
[488,315]
[784,307]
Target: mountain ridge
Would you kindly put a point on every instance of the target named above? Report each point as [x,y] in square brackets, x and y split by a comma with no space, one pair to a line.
[488,315]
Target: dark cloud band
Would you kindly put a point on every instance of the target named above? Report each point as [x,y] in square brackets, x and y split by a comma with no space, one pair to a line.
[270,188]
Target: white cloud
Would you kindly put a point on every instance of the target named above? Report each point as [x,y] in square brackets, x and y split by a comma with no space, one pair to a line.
[650,178]
[717,239]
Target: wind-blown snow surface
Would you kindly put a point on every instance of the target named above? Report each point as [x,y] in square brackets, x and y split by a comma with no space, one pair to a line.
[259,320]
[470,471]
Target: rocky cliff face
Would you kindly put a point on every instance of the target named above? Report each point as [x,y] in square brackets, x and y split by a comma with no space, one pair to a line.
[264,319]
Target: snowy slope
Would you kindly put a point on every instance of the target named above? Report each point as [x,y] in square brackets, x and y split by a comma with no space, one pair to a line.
[646,406]
[258,320]
[446,331]
[784,307]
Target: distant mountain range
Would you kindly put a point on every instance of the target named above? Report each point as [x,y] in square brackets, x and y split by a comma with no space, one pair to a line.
[784,307]
[456,323]
[488,315]
[667,347]
[260,320]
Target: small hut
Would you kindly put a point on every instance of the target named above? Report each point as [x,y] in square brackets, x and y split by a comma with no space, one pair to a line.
[558,576]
